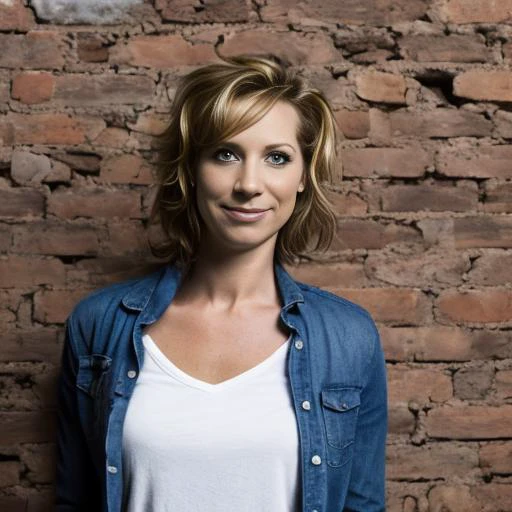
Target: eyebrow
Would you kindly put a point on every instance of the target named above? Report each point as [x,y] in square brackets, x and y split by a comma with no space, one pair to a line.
[267,147]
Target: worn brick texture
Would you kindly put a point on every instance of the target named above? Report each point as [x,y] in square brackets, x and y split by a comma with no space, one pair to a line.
[422,92]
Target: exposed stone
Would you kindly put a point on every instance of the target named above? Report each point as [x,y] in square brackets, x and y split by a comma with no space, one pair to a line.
[29,168]
[95,12]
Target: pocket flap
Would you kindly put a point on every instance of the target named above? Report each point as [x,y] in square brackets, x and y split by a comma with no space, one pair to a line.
[341,399]
[90,371]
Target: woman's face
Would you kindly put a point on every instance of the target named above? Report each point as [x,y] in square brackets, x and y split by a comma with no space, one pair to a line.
[247,186]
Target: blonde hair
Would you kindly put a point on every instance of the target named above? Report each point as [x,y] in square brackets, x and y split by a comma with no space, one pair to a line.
[216,102]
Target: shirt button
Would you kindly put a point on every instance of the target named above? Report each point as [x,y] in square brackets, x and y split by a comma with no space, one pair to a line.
[306,405]
[112,469]
[299,344]
[316,460]
[131,374]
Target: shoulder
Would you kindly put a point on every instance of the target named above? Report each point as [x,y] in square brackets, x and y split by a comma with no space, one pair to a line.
[104,303]
[322,300]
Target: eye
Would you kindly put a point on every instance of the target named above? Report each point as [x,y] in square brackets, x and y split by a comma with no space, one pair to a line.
[278,158]
[222,153]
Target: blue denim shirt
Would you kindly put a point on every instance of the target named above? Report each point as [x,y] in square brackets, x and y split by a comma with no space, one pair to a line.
[335,362]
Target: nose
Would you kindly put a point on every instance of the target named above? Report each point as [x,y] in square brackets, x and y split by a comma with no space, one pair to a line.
[249,180]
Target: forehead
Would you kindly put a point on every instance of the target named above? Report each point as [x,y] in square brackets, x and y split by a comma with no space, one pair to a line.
[280,121]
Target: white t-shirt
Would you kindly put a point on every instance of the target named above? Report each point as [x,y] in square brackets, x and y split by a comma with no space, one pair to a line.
[189,445]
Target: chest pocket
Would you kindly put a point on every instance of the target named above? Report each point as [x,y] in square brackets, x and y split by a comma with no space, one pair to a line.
[93,380]
[340,408]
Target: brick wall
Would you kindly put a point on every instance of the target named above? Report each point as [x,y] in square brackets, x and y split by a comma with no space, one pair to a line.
[423,94]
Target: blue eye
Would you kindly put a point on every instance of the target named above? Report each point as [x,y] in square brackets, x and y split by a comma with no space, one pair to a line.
[282,158]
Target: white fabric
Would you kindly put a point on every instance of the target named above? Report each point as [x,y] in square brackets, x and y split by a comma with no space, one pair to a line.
[193,446]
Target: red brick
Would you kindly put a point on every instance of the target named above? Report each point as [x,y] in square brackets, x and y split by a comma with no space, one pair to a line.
[61,239]
[430,462]
[369,234]
[33,87]
[347,203]
[491,269]
[88,163]
[39,344]
[126,169]
[410,162]
[390,304]
[436,197]
[21,271]
[40,49]
[381,87]
[297,48]
[27,427]
[470,422]
[484,85]
[382,13]
[149,123]
[418,385]
[9,470]
[482,232]
[452,48]
[49,129]
[161,52]
[439,123]
[72,203]
[452,498]
[401,420]
[481,162]
[499,494]
[496,458]
[126,238]
[116,138]
[21,202]
[498,197]
[332,274]
[83,89]
[426,269]
[54,306]
[15,16]
[91,47]
[354,124]
[227,11]
[475,306]
[442,343]
[503,121]
[475,11]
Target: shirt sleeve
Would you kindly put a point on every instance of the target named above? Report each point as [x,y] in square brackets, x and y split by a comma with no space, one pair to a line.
[77,484]
[366,492]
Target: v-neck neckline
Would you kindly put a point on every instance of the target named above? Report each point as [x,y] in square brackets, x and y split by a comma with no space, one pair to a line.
[170,368]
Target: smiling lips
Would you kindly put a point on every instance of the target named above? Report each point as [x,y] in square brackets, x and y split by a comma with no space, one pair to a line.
[245,214]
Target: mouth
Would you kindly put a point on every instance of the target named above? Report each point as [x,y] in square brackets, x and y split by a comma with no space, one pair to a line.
[245,214]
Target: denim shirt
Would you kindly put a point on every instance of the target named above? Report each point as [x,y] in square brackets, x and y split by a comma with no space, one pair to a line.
[337,378]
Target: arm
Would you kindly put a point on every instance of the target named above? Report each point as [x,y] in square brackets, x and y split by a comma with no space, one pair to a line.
[366,492]
[77,486]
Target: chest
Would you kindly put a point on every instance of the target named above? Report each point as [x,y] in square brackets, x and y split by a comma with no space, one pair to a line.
[216,347]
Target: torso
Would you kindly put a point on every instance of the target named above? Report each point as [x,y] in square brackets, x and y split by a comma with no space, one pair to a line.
[214,347]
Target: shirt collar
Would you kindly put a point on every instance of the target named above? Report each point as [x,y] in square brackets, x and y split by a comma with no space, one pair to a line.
[154,293]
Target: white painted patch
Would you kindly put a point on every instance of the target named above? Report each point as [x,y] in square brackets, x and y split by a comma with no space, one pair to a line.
[7,3]
[94,12]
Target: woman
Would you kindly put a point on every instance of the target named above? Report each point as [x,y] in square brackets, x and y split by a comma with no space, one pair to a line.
[219,382]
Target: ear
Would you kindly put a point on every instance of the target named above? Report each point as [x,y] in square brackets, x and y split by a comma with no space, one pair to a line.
[301,184]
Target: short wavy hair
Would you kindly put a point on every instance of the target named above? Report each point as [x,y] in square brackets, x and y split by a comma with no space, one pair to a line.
[217,101]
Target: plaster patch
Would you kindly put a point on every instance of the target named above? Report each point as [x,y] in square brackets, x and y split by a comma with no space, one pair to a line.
[8,3]
[96,12]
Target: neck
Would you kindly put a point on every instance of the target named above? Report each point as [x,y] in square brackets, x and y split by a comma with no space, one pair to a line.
[229,282]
